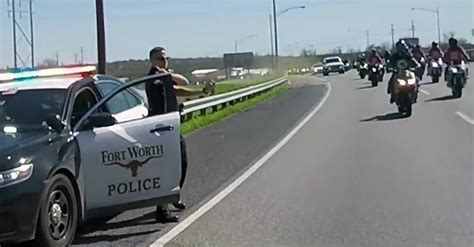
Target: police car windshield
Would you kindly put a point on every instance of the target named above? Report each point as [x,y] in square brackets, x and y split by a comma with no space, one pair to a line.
[332,60]
[29,109]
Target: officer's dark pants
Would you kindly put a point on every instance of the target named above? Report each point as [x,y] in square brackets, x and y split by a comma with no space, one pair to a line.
[184,162]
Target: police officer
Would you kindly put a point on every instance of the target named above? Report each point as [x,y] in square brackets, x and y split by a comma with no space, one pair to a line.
[160,64]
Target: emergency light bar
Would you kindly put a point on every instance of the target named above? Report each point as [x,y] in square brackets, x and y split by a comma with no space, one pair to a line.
[85,70]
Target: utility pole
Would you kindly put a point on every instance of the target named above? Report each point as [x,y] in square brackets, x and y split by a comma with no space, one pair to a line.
[99,7]
[275,26]
[75,58]
[57,58]
[412,29]
[271,35]
[82,55]
[32,36]
[393,36]
[17,9]
[15,58]
[368,39]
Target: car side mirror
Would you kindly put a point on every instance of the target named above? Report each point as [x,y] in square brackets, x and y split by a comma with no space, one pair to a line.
[97,120]
[54,121]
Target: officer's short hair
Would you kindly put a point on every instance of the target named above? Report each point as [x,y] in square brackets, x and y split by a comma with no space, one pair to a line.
[156,50]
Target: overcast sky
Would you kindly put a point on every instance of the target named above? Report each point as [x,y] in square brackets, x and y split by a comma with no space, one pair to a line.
[190,28]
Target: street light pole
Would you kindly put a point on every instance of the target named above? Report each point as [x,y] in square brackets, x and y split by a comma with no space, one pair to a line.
[439,26]
[437,17]
[271,34]
[99,7]
[275,31]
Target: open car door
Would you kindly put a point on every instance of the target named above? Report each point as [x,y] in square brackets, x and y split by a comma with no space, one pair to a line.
[133,162]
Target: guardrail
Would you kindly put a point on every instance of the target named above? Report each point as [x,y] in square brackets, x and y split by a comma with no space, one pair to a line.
[221,101]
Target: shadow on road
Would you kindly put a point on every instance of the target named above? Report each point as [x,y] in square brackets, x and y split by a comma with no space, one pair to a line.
[386,117]
[365,87]
[95,226]
[443,98]
[108,238]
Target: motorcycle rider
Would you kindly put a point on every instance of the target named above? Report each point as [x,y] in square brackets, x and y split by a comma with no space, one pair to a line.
[435,53]
[374,59]
[454,55]
[402,52]
[418,53]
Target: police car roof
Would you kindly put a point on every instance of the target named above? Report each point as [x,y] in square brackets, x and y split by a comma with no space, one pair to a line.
[57,82]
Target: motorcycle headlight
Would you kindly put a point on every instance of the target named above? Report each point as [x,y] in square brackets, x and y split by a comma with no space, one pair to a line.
[374,70]
[402,82]
[411,81]
[365,66]
[434,65]
[454,70]
[16,175]
[381,66]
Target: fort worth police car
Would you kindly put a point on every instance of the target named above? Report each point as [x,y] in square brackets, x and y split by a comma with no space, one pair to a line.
[74,145]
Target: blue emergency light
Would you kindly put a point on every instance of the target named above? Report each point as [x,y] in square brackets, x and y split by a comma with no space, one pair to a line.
[83,70]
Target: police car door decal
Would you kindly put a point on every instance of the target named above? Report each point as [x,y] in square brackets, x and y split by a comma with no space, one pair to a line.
[129,162]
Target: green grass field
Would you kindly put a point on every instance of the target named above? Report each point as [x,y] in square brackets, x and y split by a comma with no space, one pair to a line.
[203,121]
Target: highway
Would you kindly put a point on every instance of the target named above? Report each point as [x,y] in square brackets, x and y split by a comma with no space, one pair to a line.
[352,174]
[217,154]
[356,175]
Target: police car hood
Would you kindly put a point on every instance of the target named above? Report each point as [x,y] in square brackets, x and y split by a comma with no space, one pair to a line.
[15,146]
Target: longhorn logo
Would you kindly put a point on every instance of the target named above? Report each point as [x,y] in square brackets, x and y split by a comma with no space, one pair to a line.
[133,165]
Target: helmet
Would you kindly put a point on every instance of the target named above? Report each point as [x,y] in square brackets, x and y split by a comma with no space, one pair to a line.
[401,47]
[434,44]
[453,41]
[373,50]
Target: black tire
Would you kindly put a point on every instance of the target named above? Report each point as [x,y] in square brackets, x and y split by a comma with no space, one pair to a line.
[408,109]
[435,78]
[401,110]
[325,74]
[457,92]
[60,198]
[375,82]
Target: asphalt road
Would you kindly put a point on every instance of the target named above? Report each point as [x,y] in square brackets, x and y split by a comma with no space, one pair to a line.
[358,175]
[216,154]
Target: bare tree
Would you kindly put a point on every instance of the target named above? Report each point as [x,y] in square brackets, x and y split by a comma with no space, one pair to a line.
[48,63]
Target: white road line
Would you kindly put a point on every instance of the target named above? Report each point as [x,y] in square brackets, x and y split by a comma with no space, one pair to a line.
[216,199]
[424,91]
[465,117]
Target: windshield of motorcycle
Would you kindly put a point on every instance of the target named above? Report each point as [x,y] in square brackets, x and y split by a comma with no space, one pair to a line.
[29,109]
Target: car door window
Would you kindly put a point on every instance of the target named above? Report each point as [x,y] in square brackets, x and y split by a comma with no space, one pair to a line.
[118,103]
[82,104]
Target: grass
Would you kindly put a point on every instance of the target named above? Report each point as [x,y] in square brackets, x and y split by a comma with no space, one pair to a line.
[203,121]
[231,85]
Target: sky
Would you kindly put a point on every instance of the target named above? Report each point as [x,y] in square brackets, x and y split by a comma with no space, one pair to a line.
[196,28]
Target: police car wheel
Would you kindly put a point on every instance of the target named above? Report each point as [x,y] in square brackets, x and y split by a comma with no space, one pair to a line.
[57,221]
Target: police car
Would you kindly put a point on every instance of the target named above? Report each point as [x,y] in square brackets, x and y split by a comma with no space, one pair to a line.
[76,146]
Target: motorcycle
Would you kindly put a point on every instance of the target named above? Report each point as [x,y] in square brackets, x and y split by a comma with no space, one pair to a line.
[405,87]
[435,69]
[363,70]
[376,74]
[457,79]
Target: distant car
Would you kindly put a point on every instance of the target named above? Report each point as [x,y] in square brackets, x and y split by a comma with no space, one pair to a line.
[317,68]
[333,65]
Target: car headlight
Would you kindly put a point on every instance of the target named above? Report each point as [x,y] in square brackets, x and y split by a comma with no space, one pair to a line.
[16,175]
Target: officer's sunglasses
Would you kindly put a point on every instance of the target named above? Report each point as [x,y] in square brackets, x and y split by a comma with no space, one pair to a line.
[162,59]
